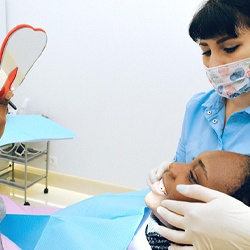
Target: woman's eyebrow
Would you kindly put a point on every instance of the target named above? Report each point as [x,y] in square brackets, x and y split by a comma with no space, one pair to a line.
[203,44]
[222,40]
[203,167]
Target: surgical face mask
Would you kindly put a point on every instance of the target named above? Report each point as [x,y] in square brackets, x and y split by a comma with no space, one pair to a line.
[230,80]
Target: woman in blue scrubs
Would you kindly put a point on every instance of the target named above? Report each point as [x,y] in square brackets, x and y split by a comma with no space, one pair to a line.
[216,120]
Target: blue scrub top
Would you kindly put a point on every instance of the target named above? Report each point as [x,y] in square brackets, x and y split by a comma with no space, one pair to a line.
[203,128]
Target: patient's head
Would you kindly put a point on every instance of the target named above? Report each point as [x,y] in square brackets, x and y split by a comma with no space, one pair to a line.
[223,171]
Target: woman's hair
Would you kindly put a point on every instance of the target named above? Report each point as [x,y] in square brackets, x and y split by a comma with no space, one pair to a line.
[218,18]
[243,193]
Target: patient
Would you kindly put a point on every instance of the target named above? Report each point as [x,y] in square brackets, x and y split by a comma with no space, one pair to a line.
[102,218]
[4,100]
[223,171]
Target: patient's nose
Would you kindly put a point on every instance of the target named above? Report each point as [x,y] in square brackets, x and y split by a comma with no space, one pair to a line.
[176,169]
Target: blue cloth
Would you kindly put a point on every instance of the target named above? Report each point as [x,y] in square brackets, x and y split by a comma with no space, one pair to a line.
[32,128]
[104,222]
[203,128]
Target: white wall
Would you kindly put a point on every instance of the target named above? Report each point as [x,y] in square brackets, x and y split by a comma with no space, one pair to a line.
[116,72]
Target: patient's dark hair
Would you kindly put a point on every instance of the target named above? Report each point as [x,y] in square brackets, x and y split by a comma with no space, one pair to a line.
[243,193]
[218,18]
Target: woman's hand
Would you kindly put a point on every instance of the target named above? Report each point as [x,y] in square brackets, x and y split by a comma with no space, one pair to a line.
[156,174]
[4,100]
[220,223]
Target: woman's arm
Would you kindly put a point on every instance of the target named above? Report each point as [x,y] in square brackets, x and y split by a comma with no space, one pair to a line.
[220,222]
[4,100]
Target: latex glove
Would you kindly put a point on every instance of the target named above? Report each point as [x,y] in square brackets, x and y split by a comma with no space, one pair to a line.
[156,174]
[178,247]
[221,223]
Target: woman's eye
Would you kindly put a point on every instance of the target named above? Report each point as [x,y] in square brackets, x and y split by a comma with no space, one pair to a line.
[192,178]
[231,49]
[206,53]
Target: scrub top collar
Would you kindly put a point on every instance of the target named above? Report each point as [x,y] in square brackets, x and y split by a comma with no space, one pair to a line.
[216,102]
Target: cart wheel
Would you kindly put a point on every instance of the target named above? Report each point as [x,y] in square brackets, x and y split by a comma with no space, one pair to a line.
[46,190]
[26,203]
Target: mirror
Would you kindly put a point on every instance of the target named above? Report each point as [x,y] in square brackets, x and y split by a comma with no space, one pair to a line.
[20,49]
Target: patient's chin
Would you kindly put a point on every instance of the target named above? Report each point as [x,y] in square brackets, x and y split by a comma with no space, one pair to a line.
[154,200]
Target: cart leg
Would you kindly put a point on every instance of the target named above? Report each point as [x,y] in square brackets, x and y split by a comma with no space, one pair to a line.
[46,190]
[25,176]
[12,171]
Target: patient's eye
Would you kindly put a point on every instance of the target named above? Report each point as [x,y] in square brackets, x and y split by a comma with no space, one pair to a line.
[192,178]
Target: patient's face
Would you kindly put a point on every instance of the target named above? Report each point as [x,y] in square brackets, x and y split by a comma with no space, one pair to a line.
[218,170]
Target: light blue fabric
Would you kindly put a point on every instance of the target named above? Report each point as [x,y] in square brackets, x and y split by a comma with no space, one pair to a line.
[32,128]
[202,128]
[103,222]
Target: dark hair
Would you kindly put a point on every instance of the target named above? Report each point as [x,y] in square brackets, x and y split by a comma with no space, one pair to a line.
[243,193]
[218,18]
